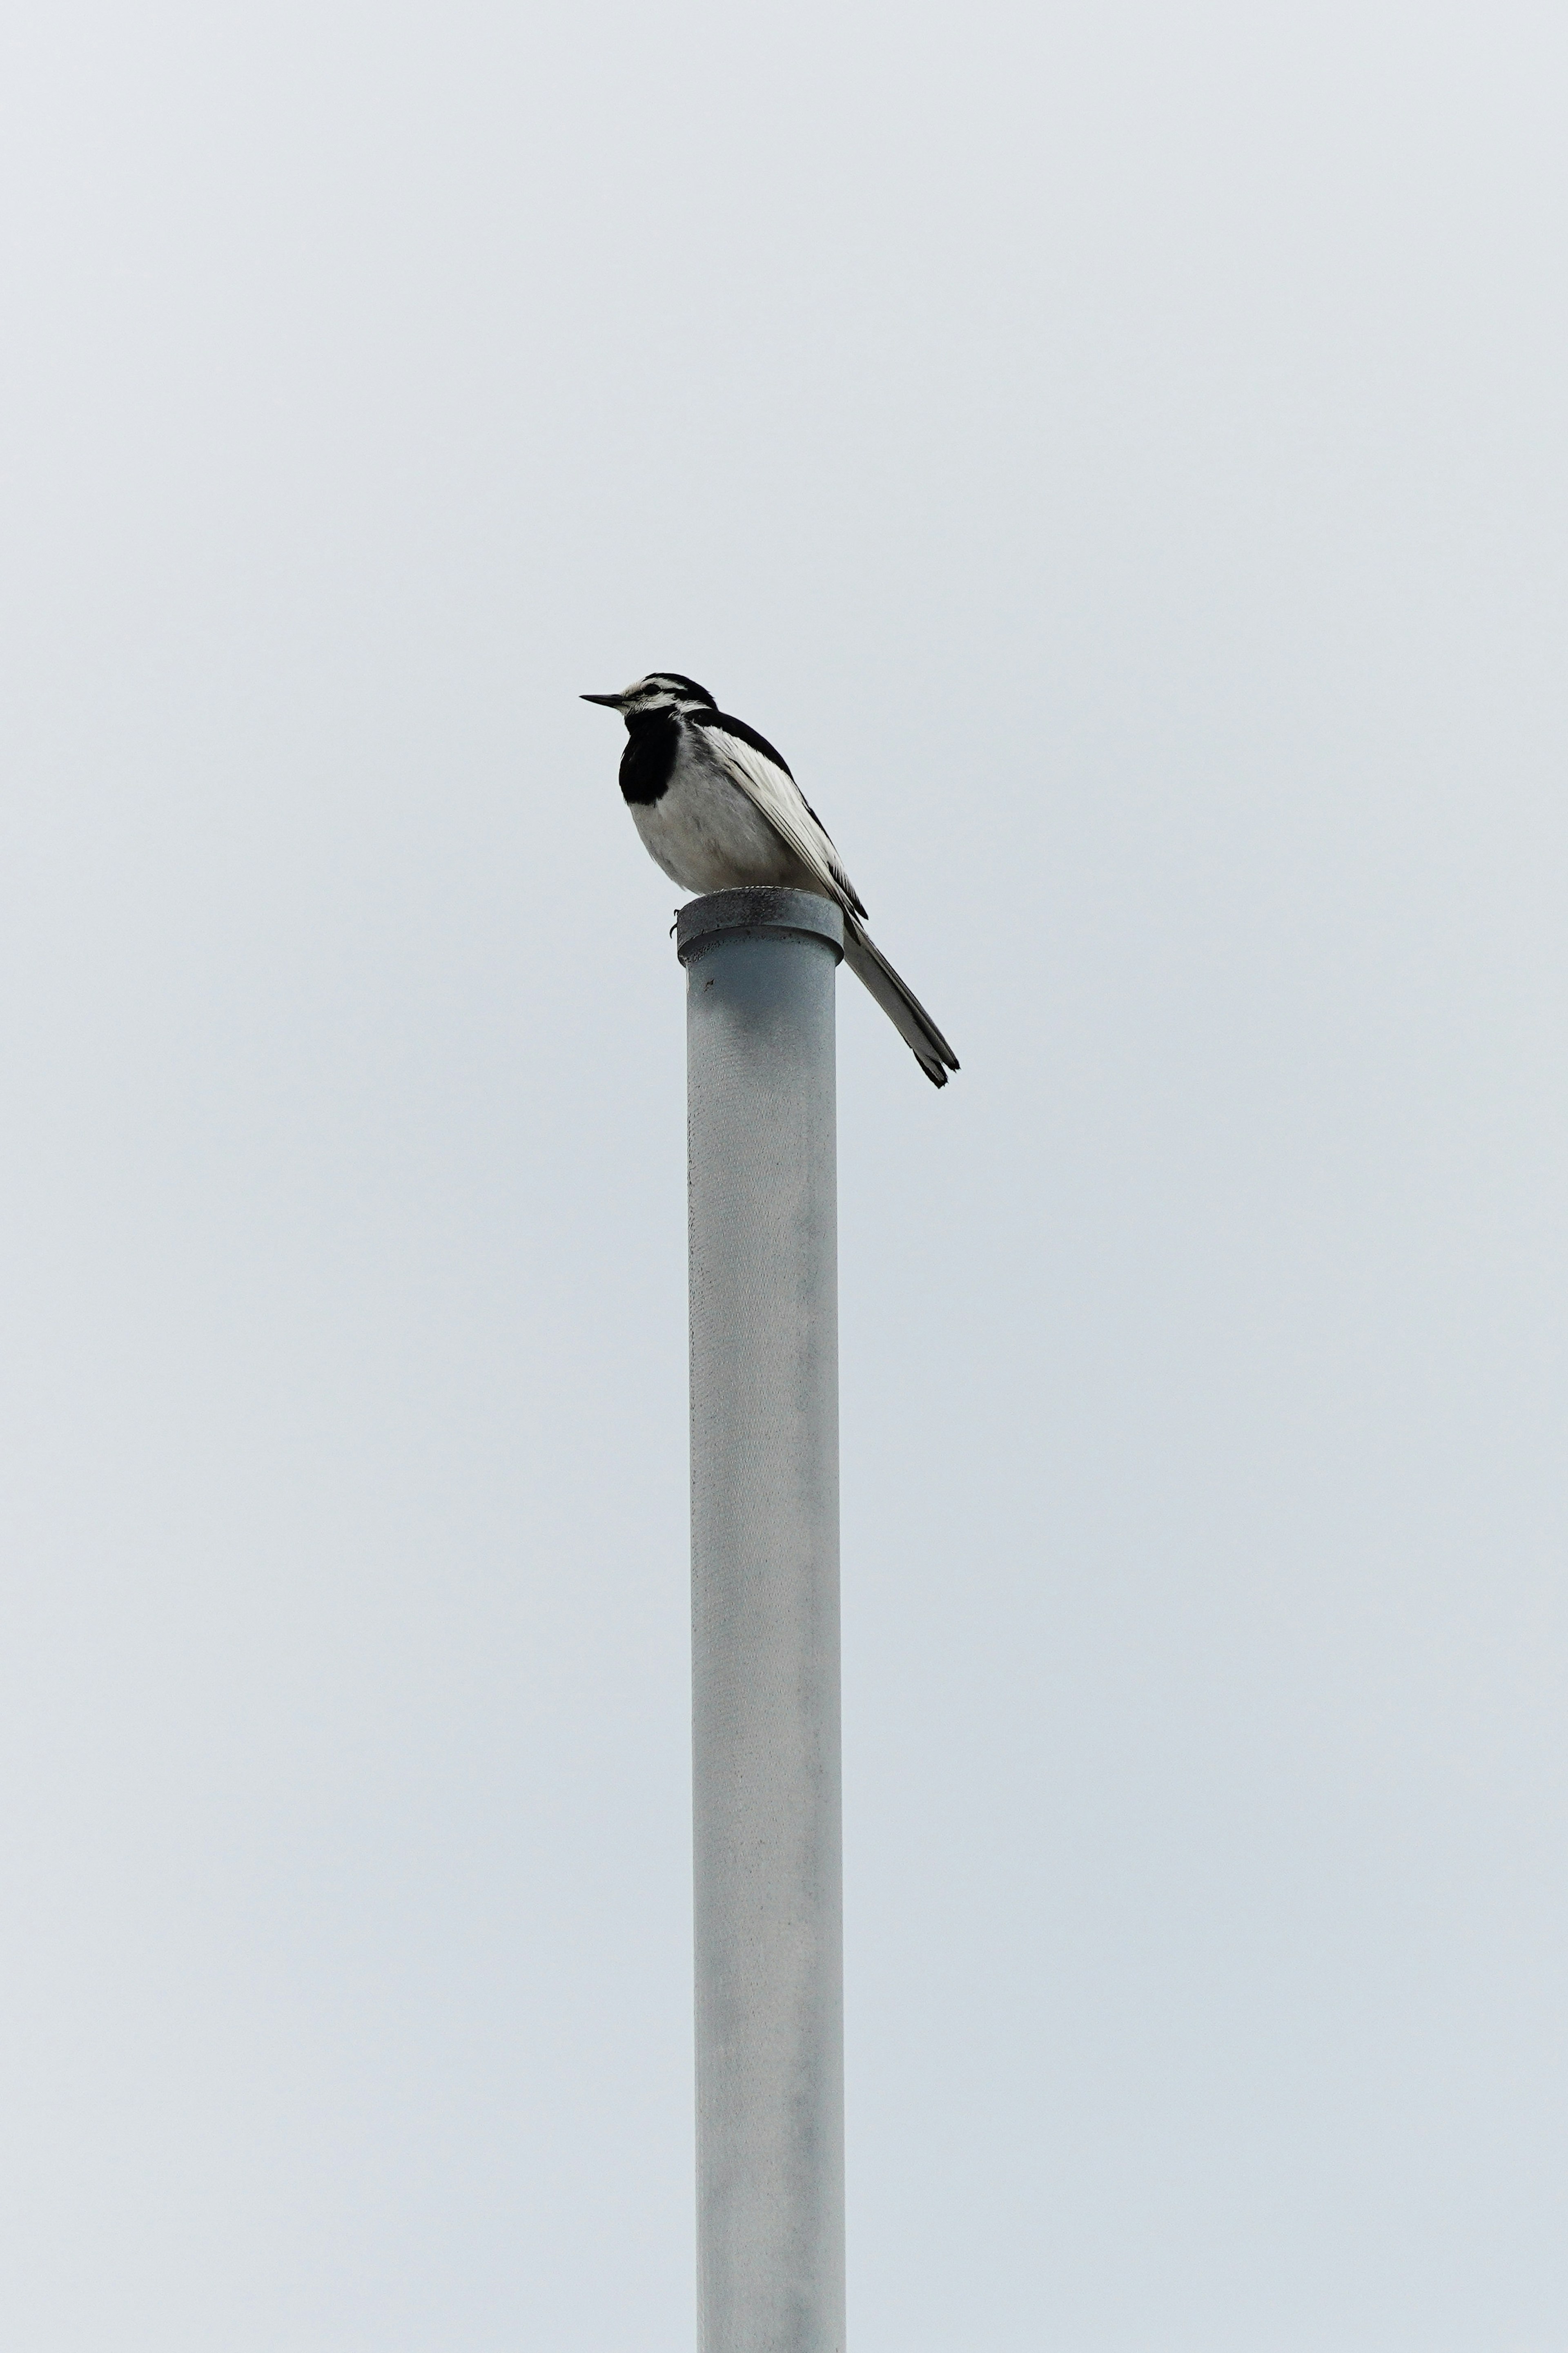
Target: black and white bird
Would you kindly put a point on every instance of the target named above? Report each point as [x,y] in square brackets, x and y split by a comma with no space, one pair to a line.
[718,808]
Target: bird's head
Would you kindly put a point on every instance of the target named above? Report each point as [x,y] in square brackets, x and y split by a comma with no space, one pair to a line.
[662,689]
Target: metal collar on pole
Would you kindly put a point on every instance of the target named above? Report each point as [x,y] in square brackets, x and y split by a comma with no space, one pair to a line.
[702,923]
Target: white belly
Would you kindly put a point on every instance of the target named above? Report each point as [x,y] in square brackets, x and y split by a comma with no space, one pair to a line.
[708,836]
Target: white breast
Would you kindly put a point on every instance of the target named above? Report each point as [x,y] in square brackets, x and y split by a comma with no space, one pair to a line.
[707,835]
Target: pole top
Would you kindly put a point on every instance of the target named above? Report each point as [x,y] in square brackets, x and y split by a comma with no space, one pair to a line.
[768,914]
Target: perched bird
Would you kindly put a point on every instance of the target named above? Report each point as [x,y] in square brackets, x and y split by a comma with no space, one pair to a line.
[718,808]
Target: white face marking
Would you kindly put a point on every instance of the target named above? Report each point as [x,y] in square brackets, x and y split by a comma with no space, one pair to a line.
[655,693]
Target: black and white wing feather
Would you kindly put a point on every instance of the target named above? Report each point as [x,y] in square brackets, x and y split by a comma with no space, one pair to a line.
[751,762]
[762,775]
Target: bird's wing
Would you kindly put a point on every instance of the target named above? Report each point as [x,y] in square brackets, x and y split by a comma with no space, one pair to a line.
[768,784]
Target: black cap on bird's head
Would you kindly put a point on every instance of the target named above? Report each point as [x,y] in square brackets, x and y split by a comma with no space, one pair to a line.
[662,689]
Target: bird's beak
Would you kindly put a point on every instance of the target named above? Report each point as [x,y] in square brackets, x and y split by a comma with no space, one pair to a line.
[610,702]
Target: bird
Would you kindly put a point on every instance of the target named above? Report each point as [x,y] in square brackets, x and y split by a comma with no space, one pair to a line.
[717,809]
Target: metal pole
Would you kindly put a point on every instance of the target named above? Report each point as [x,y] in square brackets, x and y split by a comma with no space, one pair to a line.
[764,1620]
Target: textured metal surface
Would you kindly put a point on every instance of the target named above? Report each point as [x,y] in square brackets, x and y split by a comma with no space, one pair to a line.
[765,1554]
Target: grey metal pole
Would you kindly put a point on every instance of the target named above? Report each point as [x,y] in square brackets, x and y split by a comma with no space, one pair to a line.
[764,1620]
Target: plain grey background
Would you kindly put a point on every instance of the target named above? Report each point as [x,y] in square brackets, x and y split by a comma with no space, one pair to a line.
[1118,454]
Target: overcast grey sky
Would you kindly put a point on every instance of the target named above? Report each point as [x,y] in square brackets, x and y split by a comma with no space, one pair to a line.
[1118,454]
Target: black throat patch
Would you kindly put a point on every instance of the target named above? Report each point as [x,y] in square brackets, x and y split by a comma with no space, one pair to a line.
[653,738]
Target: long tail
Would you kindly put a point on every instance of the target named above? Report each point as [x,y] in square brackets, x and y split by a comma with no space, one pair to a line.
[898,1002]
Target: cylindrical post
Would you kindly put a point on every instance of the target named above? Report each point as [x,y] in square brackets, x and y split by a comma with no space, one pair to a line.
[764,1620]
